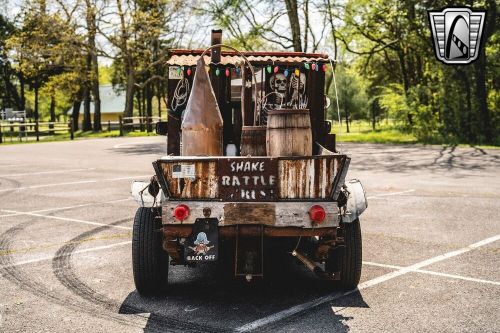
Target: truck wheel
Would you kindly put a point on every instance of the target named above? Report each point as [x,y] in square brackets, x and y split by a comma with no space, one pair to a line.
[149,260]
[347,260]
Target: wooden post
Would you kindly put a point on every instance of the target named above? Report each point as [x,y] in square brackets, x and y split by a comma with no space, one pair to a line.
[120,120]
[316,95]
[222,88]
[246,97]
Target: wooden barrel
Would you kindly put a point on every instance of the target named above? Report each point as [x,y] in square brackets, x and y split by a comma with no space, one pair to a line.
[253,141]
[289,133]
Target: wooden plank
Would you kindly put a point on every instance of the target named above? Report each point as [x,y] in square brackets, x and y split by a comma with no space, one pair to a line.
[249,213]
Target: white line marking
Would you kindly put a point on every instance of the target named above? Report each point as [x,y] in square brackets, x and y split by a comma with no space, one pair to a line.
[48,185]
[45,172]
[82,205]
[369,263]
[389,194]
[10,165]
[123,178]
[65,219]
[68,207]
[424,271]
[367,284]
[74,183]
[458,277]
[92,249]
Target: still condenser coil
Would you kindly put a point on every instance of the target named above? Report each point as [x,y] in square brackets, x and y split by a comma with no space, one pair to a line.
[202,122]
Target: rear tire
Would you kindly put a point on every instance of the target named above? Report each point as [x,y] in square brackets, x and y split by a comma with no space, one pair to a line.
[149,260]
[348,259]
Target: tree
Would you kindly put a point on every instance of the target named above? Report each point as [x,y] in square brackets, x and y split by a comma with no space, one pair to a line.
[43,47]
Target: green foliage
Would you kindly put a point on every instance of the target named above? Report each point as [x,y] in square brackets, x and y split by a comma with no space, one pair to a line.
[351,93]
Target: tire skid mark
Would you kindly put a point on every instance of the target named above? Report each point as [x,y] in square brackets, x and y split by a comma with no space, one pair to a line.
[23,281]
[16,184]
[65,273]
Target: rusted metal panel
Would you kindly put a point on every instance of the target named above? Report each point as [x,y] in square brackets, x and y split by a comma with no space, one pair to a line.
[254,179]
[279,214]
[309,177]
[194,179]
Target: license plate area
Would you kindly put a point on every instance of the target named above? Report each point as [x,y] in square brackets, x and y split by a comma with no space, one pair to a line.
[203,243]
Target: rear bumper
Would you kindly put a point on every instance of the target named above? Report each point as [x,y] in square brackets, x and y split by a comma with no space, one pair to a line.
[183,231]
[270,214]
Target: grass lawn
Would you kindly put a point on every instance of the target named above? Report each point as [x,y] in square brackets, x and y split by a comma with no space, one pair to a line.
[361,131]
[79,135]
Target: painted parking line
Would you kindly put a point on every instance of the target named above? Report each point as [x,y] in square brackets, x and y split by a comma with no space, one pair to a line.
[74,183]
[446,275]
[389,194]
[66,219]
[92,249]
[55,209]
[367,284]
[45,172]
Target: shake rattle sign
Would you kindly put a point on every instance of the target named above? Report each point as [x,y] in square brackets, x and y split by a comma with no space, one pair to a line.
[244,180]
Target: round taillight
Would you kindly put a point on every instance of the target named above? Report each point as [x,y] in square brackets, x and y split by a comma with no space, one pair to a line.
[181,212]
[317,213]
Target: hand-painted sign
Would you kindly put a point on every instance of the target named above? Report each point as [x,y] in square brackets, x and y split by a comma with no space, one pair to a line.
[253,179]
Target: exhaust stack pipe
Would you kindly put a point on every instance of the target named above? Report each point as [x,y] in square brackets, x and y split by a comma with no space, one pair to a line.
[312,266]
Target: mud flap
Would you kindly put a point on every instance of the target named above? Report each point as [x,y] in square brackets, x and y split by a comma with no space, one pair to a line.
[203,243]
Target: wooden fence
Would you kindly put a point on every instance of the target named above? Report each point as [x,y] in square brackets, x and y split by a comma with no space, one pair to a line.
[19,131]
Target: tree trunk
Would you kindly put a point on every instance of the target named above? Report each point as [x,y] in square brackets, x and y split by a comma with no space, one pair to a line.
[52,111]
[129,94]
[92,30]
[347,119]
[149,108]
[293,18]
[374,109]
[138,96]
[23,95]
[482,95]
[87,123]
[75,115]
[36,112]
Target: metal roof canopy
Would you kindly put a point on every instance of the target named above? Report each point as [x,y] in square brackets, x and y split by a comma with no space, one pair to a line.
[179,57]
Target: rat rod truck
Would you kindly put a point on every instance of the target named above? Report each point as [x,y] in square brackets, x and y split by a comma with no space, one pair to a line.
[231,209]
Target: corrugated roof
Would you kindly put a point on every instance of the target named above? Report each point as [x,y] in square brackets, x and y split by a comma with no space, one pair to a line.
[190,57]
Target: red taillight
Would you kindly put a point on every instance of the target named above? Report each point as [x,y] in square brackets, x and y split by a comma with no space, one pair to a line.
[317,213]
[181,212]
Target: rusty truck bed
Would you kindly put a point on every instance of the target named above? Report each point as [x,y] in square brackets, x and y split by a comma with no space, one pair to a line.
[252,179]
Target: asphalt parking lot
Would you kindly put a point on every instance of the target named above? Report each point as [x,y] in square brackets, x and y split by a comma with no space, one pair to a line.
[431,248]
